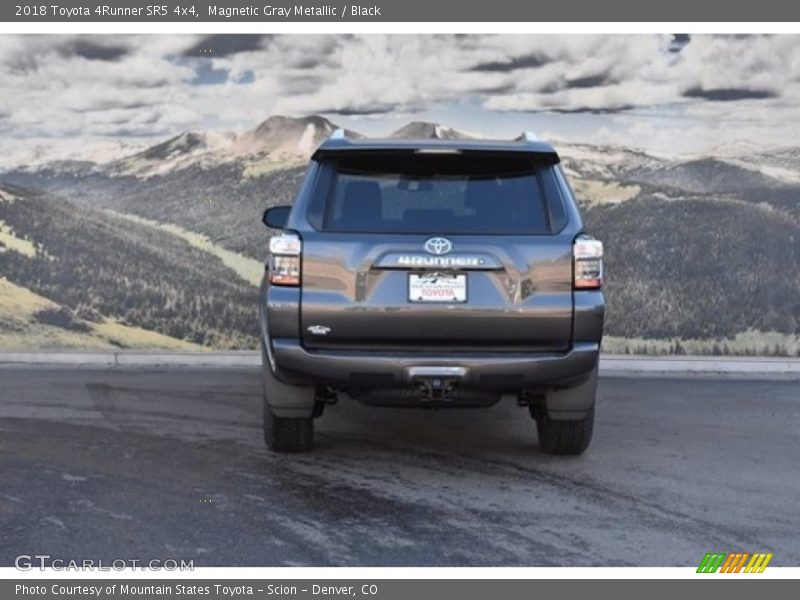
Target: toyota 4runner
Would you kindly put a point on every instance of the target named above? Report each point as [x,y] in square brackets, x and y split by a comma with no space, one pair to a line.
[435,274]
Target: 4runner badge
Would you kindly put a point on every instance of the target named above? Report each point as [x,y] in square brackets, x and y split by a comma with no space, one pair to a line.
[438,245]
[319,329]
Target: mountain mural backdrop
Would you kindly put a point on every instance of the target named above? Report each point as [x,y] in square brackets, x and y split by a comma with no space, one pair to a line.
[162,246]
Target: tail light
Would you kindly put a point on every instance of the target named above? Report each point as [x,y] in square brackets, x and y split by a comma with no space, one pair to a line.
[284,262]
[587,258]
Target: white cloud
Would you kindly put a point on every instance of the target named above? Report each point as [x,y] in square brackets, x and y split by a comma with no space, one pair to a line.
[62,86]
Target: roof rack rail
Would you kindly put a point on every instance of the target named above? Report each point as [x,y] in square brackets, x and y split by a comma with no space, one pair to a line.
[338,134]
[528,137]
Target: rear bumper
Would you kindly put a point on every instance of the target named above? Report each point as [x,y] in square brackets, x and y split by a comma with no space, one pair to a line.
[502,372]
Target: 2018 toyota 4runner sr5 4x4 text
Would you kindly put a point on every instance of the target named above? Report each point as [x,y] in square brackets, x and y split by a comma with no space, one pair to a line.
[432,274]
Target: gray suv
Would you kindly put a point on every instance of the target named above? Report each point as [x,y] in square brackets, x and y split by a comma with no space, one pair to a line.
[432,274]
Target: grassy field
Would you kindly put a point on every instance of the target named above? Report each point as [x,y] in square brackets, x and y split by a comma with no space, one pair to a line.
[120,282]
[747,343]
[257,168]
[9,241]
[22,327]
[248,269]
[595,192]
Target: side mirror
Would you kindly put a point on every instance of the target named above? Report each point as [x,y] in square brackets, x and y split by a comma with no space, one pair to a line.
[276,216]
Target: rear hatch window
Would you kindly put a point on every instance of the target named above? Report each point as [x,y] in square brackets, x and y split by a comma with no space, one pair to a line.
[442,193]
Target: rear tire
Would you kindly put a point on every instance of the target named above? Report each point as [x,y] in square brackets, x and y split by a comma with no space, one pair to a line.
[564,436]
[282,433]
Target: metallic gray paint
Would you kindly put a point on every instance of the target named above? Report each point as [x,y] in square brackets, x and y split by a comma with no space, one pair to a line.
[523,325]
[498,371]
[528,301]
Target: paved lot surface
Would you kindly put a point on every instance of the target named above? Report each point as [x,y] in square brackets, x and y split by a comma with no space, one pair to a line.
[171,464]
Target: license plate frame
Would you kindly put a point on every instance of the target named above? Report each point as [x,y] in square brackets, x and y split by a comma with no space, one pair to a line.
[437,288]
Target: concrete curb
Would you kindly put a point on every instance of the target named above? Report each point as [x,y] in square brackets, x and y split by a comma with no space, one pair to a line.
[702,365]
[609,364]
[133,358]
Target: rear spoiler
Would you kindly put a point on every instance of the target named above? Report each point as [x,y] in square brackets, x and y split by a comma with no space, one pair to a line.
[526,143]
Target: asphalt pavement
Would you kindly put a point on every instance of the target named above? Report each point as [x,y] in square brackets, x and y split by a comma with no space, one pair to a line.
[142,464]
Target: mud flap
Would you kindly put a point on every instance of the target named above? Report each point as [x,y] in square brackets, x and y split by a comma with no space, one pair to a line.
[573,403]
[286,401]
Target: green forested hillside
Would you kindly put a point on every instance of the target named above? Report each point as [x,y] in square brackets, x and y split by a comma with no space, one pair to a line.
[97,266]
[220,202]
[698,268]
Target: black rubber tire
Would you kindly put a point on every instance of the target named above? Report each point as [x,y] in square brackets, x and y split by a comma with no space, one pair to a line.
[283,434]
[564,437]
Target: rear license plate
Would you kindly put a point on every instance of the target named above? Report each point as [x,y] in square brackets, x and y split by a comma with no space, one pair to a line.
[437,287]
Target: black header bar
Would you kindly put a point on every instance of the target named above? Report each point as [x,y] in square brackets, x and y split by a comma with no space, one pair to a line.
[278,11]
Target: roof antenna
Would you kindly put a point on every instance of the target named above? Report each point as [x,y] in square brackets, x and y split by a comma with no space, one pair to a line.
[338,134]
[528,137]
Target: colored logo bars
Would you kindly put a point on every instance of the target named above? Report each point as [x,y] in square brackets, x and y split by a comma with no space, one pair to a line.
[734,562]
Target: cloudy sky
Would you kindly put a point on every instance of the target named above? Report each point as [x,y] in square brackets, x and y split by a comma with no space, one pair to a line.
[665,94]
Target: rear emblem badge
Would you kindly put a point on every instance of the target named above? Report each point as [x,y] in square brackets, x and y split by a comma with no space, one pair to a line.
[319,329]
[438,246]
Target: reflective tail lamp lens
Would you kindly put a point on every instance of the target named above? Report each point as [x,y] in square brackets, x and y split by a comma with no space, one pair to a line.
[587,256]
[284,262]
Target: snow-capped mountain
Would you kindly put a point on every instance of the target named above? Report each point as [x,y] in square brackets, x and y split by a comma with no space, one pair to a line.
[702,173]
[781,163]
[428,130]
[284,138]
[277,140]
[604,162]
[186,149]
[282,141]
[33,154]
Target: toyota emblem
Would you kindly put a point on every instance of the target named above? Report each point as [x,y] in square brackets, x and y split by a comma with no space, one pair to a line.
[438,246]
